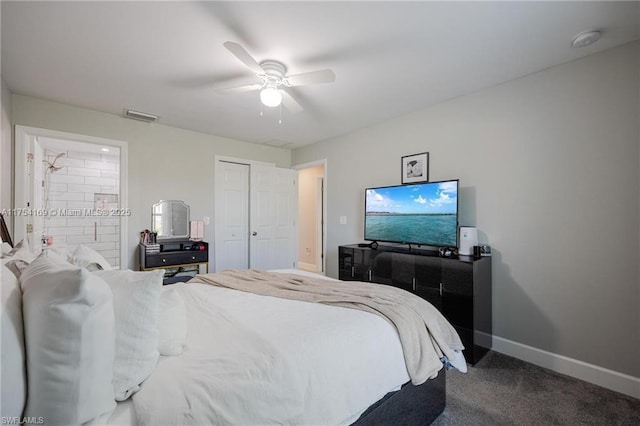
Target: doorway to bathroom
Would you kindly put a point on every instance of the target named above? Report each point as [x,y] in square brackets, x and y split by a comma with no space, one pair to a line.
[73,191]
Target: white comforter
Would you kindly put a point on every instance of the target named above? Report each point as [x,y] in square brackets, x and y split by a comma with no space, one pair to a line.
[253,359]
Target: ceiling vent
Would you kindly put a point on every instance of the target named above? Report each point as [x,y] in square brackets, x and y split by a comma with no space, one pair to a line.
[278,143]
[140,116]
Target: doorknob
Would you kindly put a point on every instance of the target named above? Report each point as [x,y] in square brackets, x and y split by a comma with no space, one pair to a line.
[254,233]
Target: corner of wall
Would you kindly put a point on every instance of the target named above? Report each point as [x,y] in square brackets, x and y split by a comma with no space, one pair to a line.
[6,151]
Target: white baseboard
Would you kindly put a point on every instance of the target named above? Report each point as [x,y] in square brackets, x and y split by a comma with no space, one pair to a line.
[309,267]
[606,378]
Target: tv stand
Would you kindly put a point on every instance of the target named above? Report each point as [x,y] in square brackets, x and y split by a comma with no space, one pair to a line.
[458,286]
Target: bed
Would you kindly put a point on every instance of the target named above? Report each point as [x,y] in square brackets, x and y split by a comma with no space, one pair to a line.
[197,353]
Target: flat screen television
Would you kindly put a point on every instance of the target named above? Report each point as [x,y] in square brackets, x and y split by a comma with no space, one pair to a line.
[420,214]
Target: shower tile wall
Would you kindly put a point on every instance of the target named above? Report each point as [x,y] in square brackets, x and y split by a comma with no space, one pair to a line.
[72,190]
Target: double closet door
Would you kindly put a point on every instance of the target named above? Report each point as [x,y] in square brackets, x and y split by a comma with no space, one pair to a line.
[255,214]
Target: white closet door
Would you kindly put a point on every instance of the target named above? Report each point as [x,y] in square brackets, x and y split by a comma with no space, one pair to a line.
[232,216]
[272,218]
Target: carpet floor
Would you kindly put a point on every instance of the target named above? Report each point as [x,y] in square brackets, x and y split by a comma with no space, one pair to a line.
[501,390]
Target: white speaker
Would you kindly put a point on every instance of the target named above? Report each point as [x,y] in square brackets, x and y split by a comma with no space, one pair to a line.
[468,239]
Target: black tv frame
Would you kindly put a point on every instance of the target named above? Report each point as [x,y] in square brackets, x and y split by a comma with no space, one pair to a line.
[374,242]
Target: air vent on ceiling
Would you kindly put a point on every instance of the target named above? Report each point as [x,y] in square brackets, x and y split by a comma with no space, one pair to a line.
[278,143]
[141,116]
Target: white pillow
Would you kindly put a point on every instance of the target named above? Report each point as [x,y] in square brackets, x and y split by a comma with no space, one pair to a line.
[135,303]
[70,341]
[63,251]
[22,250]
[89,258]
[13,373]
[172,322]
[5,248]
[16,266]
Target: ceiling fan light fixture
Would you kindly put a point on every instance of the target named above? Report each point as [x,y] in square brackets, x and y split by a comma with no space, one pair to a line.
[270,96]
[274,78]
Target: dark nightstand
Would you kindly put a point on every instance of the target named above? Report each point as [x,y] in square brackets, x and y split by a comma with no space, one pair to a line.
[174,255]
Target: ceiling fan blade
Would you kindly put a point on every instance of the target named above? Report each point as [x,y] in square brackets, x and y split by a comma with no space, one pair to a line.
[313,77]
[290,103]
[241,89]
[244,56]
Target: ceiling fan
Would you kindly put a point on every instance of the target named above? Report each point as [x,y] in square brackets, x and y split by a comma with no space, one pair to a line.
[274,79]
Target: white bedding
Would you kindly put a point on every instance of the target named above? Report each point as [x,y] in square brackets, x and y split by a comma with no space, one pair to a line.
[123,415]
[251,359]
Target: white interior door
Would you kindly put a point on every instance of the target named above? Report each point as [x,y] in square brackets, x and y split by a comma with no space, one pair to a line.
[272,218]
[232,216]
[258,199]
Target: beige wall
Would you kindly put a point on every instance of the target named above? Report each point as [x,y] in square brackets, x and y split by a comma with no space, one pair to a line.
[164,162]
[308,213]
[548,166]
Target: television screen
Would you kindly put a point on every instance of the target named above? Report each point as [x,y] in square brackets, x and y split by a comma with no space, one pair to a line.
[421,214]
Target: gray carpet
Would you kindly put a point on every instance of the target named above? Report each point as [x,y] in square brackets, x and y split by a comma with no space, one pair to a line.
[501,390]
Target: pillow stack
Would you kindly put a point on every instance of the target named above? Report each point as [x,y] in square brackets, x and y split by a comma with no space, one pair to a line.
[90,338]
[12,368]
[70,341]
[172,321]
[135,303]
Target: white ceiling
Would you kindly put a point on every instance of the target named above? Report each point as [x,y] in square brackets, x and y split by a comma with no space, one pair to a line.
[390,58]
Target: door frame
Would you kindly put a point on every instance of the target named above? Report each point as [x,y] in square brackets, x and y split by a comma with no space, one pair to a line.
[24,144]
[321,228]
[320,202]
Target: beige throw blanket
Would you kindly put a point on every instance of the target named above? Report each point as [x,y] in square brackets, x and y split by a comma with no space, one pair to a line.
[426,336]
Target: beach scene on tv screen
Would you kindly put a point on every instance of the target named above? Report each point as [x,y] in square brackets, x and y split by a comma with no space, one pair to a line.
[419,214]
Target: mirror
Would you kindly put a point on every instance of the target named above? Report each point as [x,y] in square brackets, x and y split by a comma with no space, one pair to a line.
[170,219]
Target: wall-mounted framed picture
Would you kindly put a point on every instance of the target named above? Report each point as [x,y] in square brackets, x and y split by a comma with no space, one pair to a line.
[415,168]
